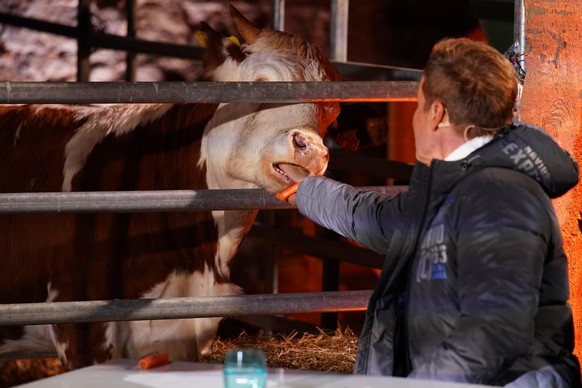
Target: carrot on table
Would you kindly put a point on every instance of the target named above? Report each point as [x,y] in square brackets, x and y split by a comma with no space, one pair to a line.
[289,191]
[153,360]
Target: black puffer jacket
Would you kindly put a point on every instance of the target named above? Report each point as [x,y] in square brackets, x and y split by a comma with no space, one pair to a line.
[475,284]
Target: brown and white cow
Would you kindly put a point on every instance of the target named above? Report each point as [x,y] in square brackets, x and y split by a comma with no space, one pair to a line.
[68,257]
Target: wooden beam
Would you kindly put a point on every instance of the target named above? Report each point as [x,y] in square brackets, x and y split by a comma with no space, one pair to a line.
[552,99]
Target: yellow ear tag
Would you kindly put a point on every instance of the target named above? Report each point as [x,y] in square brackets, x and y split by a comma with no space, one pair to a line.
[202,39]
[234,40]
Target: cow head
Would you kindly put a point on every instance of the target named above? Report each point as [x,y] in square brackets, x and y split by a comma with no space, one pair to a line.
[265,145]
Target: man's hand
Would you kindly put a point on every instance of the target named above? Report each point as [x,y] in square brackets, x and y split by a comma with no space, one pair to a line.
[291,199]
[289,193]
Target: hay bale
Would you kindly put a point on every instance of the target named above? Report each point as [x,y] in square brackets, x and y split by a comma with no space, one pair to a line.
[319,352]
[18,372]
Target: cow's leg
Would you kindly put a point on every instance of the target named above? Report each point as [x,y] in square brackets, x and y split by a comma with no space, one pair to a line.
[80,344]
[182,339]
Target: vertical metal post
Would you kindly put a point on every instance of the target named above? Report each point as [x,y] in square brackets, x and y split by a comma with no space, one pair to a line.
[278,23]
[278,15]
[131,33]
[271,221]
[338,31]
[330,281]
[519,26]
[330,278]
[519,48]
[338,51]
[84,30]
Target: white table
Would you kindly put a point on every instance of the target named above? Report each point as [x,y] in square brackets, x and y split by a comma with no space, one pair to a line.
[126,374]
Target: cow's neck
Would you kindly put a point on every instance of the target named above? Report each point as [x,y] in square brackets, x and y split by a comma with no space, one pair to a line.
[220,134]
[232,227]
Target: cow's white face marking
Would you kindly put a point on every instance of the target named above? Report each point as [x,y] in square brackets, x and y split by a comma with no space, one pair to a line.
[268,145]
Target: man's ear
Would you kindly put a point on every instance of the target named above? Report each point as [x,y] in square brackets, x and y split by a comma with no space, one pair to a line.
[440,115]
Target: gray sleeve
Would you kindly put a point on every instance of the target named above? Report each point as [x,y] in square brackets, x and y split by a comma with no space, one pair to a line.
[366,217]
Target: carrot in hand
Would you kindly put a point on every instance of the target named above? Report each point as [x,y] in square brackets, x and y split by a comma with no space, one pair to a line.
[153,360]
[289,191]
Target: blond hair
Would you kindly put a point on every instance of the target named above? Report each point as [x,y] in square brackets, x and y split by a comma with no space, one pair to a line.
[475,82]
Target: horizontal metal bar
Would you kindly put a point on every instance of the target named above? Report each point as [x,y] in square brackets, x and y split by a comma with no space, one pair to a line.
[191,307]
[209,92]
[103,40]
[38,25]
[357,71]
[142,201]
[141,46]
[148,201]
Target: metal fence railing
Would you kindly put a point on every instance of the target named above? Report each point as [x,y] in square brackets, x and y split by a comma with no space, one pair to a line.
[142,201]
[173,308]
[189,200]
[180,92]
[205,92]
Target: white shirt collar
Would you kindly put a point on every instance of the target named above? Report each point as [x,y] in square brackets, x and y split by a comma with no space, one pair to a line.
[466,148]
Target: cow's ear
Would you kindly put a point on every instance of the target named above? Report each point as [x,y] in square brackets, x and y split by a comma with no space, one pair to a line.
[218,48]
[245,28]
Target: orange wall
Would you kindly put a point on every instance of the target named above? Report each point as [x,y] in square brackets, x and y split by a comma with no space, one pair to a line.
[552,99]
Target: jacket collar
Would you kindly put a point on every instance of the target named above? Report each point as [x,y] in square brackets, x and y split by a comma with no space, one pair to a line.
[467,148]
[520,147]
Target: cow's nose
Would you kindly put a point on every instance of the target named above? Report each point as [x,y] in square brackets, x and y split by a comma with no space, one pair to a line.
[299,141]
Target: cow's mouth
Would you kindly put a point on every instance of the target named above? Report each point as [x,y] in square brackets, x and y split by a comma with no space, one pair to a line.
[290,173]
